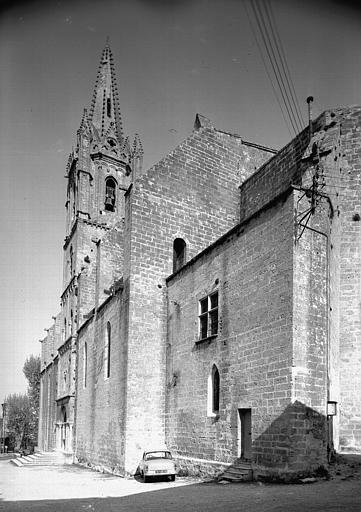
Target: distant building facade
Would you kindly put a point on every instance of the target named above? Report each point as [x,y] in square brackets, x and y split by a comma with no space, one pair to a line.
[210,303]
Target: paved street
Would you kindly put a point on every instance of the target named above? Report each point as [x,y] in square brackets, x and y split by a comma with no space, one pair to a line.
[71,488]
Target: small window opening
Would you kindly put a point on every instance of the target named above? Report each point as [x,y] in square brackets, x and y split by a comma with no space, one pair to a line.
[109,108]
[110,195]
[179,254]
[107,351]
[208,316]
[71,256]
[213,392]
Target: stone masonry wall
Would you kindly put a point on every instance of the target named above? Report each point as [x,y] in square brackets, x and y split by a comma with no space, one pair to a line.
[252,269]
[101,403]
[191,194]
[310,338]
[274,177]
[350,276]
[47,413]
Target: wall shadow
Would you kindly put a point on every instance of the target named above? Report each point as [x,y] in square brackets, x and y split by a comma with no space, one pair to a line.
[296,442]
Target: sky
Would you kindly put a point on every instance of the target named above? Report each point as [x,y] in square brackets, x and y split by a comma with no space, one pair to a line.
[172,60]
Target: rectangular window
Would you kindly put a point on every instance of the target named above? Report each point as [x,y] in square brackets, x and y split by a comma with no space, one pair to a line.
[208,316]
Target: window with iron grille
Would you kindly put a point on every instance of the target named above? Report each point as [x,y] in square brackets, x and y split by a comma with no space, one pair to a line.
[208,316]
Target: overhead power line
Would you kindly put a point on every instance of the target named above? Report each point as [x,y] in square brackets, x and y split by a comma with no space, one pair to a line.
[282,55]
[273,49]
[267,71]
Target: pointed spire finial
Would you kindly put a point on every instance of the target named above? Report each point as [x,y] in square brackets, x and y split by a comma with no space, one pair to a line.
[104,109]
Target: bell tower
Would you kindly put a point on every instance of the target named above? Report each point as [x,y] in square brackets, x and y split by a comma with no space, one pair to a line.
[100,170]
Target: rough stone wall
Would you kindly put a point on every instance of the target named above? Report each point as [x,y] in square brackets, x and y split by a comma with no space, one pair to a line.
[101,404]
[191,194]
[49,385]
[274,177]
[253,270]
[310,340]
[350,277]
[111,259]
[65,372]
[47,413]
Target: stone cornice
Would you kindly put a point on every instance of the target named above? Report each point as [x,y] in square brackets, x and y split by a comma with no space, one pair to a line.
[107,158]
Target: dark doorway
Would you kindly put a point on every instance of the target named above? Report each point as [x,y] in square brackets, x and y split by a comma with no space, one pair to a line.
[244,434]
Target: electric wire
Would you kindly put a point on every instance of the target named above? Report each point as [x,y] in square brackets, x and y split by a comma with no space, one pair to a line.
[283,59]
[267,71]
[272,45]
[275,65]
[290,116]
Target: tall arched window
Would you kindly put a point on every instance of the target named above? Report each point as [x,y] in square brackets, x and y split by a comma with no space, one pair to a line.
[213,392]
[107,346]
[110,196]
[179,253]
[85,364]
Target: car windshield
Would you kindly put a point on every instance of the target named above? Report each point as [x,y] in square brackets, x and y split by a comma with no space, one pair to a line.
[158,455]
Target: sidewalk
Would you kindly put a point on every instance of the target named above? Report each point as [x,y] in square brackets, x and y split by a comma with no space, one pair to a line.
[73,488]
[70,481]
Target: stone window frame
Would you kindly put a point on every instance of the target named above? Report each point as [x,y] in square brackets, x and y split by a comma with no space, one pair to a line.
[208,317]
[213,392]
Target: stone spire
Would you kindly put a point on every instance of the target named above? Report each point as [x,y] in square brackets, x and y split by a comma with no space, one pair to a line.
[104,111]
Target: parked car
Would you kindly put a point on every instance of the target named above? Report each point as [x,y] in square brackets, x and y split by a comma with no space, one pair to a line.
[157,463]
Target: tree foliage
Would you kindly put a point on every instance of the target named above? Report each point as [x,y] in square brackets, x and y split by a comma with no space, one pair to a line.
[31,371]
[20,420]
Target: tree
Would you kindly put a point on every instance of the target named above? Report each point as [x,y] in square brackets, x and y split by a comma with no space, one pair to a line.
[22,412]
[19,419]
[31,371]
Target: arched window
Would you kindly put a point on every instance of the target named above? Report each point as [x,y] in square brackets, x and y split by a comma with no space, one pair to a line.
[213,392]
[110,196]
[107,351]
[179,253]
[85,364]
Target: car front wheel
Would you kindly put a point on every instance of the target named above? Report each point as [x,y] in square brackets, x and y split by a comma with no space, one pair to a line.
[145,478]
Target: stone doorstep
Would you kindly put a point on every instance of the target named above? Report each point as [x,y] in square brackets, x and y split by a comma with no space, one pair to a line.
[239,471]
[43,459]
[17,462]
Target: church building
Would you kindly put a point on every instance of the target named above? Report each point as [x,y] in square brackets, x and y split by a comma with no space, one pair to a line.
[210,303]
